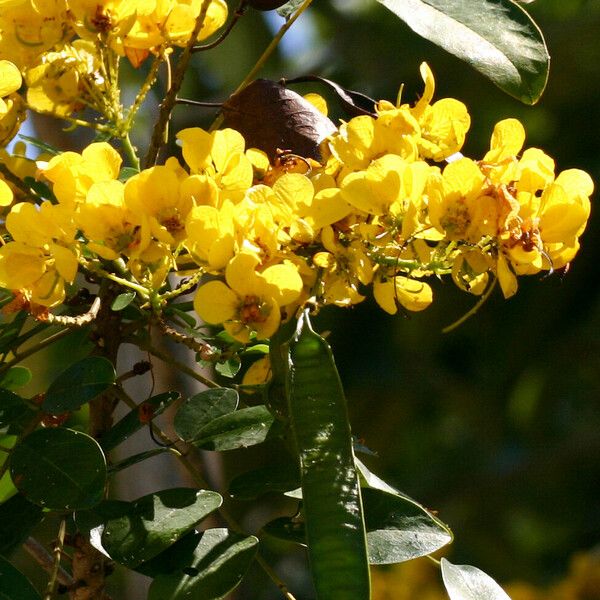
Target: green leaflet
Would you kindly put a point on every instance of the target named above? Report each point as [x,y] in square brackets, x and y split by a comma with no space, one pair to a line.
[335,530]
[496,37]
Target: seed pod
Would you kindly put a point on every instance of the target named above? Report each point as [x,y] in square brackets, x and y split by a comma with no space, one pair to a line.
[271,117]
[335,530]
[266,4]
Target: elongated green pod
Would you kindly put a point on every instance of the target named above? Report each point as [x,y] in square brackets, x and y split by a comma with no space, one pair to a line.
[335,531]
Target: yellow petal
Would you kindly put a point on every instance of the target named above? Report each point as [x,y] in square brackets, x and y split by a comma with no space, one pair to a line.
[6,194]
[65,262]
[326,207]
[506,277]
[258,373]
[283,283]
[215,302]
[507,140]
[196,145]
[10,78]
[241,276]
[318,102]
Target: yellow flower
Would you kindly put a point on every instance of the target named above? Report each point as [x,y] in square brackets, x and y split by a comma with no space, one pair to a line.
[151,266]
[60,83]
[345,267]
[30,28]
[172,22]
[73,174]
[12,107]
[211,235]
[111,229]
[443,124]
[219,156]
[412,294]
[43,255]
[154,196]
[248,304]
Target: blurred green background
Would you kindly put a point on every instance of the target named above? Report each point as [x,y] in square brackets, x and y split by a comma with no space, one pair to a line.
[497,424]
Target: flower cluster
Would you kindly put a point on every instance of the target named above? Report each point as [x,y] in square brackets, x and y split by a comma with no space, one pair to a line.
[68,51]
[392,203]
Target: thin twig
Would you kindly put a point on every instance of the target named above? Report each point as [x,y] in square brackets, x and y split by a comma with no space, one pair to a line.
[473,310]
[60,542]
[46,561]
[78,321]
[166,107]
[167,358]
[239,12]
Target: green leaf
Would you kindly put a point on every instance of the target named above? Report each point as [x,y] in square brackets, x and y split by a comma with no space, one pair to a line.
[199,410]
[219,563]
[230,368]
[122,301]
[400,529]
[464,582]
[289,529]
[289,8]
[136,419]
[45,147]
[496,37]
[335,531]
[59,469]
[125,174]
[174,558]
[134,459]
[14,585]
[13,411]
[7,489]
[154,522]
[9,332]
[15,378]
[78,384]
[245,427]
[257,349]
[18,517]
[275,478]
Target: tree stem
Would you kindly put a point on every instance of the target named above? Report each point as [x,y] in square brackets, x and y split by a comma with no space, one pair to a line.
[166,107]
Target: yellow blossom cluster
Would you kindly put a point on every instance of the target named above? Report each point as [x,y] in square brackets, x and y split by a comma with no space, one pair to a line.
[68,50]
[392,203]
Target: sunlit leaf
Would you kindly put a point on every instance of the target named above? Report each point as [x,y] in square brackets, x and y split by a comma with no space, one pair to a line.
[199,410]
[245,427]
[464,582]
[218,565]
[122,301]
[399,529]
[154,522]
[496,37]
